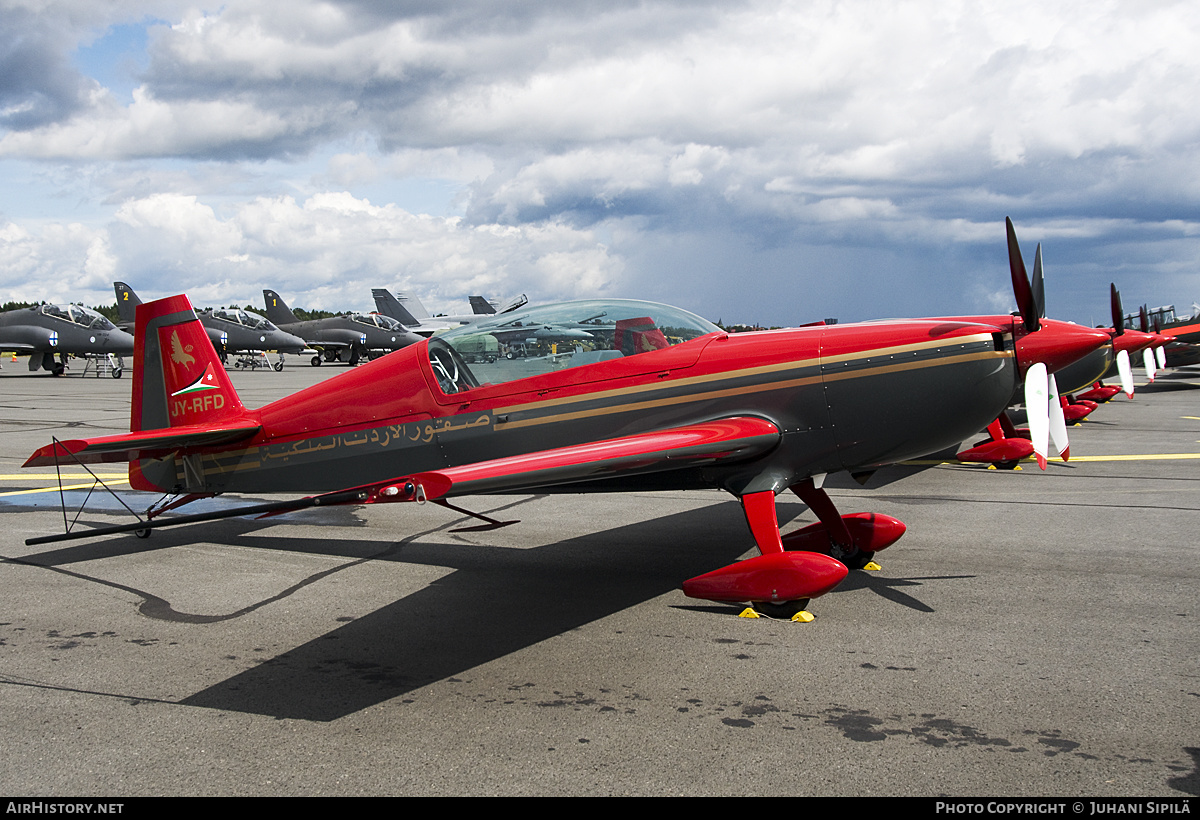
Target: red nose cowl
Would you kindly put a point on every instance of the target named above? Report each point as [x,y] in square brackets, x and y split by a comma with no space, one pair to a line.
[1057,344]
[1132,341]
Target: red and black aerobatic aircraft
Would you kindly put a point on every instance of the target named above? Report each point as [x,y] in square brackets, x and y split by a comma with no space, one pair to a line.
[658,398]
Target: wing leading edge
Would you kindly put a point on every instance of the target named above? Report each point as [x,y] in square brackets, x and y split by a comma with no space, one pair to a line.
[694,445]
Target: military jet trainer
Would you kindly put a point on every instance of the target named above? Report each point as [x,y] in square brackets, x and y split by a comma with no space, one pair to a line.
[351,334]
[408,311]
[45,330]
[231,330]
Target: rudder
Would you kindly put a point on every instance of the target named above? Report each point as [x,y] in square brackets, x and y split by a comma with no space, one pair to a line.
[178,381]
[127,302]
[388,305]
[277,309]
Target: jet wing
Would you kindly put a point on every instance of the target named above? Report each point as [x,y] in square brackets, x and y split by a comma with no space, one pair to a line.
[143,444]
[694,445]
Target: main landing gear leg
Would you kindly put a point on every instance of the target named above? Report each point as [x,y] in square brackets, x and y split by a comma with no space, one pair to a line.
[777,582]
[852,539]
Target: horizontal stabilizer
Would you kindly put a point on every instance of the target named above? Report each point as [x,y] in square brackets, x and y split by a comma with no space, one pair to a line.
[141,444]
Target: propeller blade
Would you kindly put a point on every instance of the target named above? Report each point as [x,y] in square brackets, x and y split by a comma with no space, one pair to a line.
[1161,354]
[1126,370]
[1039,284]
[1037,409]
[1145,320]
[1020,280]
[1058,421]
[1118,315]
[1148,361]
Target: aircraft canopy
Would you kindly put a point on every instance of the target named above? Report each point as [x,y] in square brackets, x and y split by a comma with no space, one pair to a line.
[79,315]
[537,340]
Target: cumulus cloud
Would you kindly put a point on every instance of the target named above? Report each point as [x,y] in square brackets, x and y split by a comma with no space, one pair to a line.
[55,263]
[38,86]
[328,250]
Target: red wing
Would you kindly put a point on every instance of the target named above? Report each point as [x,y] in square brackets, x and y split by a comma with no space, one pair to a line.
[142,444]
[691,446]
[695,445]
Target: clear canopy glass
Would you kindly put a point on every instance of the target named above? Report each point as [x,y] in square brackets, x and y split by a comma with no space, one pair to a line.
[248,318]
[79,315]
[525,343]
[377,320]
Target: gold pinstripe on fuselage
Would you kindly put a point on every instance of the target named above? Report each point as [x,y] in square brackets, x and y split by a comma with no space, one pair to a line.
[742,376]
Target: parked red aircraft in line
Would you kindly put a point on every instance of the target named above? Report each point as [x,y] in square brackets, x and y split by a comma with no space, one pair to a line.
[1008,444]
[657,399]
[1045,409]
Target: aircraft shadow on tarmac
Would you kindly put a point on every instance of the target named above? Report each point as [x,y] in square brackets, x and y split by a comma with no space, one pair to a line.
[1161,386]
[496,601]
[1189,782]
[891,588]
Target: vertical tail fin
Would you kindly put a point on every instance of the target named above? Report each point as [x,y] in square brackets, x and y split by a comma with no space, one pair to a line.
[413,305]
[388,305]
[481,306]
[277,309]
[127,302]
[178,379]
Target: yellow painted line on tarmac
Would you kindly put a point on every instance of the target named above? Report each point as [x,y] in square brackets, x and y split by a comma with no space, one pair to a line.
[1141,457]
[1074,459]
[54,489]
[37,478]
[48,476]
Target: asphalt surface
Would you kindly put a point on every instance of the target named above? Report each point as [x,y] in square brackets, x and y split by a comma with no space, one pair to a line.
[1033,634]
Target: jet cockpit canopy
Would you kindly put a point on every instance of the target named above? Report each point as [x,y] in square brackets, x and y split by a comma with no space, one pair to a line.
[247,318]
[78,315]
[377,320]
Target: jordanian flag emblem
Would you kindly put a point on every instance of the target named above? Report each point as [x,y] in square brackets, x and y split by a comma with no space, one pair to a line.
[208,381]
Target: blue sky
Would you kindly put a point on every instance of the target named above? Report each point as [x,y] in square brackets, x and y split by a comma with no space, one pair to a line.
[758,161]
[116,58]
